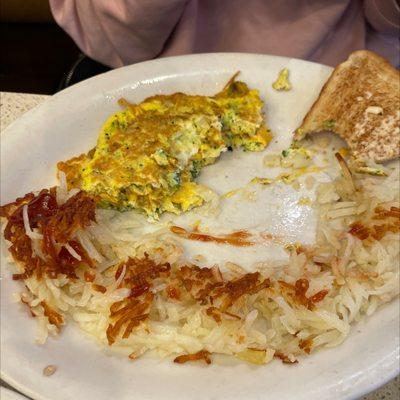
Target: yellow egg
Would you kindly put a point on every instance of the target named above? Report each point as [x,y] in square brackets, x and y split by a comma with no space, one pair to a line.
[282,82]
[148,155]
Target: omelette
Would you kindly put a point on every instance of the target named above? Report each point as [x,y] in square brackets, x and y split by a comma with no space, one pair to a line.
[148,155]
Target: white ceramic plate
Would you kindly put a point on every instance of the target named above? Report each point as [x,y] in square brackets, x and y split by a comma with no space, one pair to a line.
[7,394]
[66,125]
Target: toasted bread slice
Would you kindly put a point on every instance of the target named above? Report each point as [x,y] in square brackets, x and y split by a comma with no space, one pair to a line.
[361,103]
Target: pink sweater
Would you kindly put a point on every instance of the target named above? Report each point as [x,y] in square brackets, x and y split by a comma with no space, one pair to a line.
[121,32]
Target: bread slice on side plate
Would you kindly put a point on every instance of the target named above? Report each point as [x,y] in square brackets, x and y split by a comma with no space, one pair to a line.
[361,103]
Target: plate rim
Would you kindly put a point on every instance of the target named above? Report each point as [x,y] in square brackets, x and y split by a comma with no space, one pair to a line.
[155,61]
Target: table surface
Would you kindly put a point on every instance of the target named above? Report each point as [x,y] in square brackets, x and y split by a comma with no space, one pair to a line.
[13,105]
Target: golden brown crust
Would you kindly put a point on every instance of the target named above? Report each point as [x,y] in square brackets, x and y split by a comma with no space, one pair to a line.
[360,102]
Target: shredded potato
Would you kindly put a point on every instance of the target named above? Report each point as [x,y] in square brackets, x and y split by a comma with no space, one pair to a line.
[137,293]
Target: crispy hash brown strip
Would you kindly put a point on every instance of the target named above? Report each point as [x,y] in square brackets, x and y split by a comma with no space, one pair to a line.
[208,287]
[139,277]
[127,314]
[218,314]
[141,273]
[382,221]
[202,355]
[306,345]
[9,209]
[238,238]
[53,316]
[76,213]
[188,283]
[231,291]
[284,358]
[373,225]
[198,282]
[297,293]
[14,232]
[56,223]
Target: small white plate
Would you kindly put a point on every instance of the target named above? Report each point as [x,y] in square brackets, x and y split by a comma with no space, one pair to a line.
[66,125]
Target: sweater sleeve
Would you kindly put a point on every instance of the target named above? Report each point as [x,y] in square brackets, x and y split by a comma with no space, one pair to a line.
[383,15]
[118,32]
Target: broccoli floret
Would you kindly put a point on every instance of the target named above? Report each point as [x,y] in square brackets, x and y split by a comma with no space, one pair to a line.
[174,179]
[195,169]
